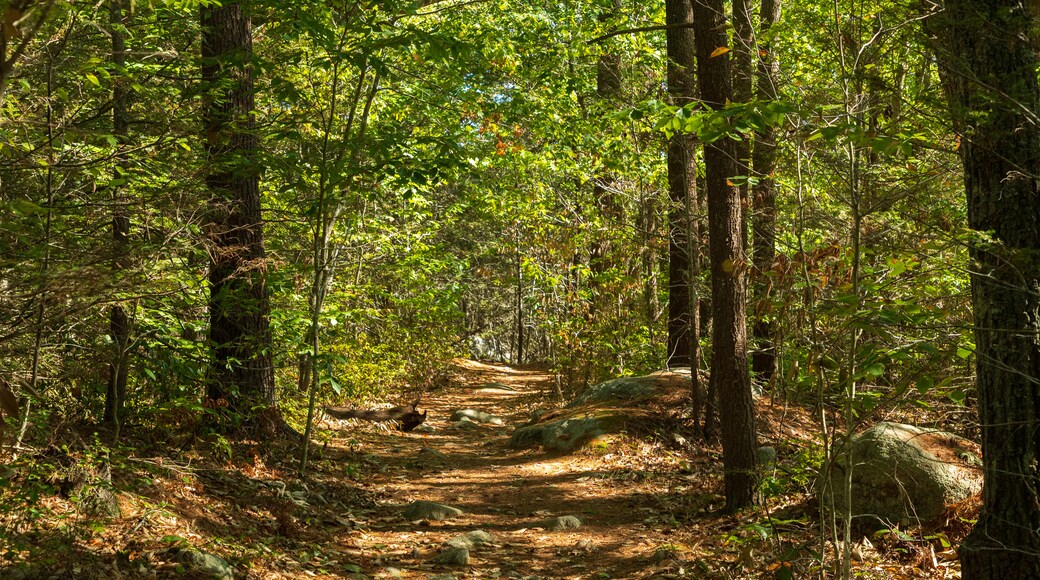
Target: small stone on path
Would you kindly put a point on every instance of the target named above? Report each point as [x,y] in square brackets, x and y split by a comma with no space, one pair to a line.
[430,453]
[561,523]
[452,557]
[204,565]
[470,540]
[476,416]
[495,388]
[428,510]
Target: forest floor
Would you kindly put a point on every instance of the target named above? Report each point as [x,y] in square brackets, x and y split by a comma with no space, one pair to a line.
[650,505]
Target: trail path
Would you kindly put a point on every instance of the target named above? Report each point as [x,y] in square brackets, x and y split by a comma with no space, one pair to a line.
[626,531]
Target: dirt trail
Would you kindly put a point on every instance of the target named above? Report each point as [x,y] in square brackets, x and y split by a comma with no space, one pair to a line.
[508,493]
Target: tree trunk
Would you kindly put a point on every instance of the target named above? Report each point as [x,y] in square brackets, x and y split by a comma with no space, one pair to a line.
[682,192]
[519,357]
[989,74]
[239,308]
[683,255]
[608,91]
[118,321]
[729,371]
[743,75]
[763,358]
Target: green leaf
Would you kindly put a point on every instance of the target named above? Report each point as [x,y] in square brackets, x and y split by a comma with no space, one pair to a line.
[924,384]
[875,370]
[93,79]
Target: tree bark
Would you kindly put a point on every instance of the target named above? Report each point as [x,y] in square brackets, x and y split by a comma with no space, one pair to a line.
[989,74]
[743,76]
[763,219]
[729,371]
[682,192]
[118,320]
[684,231]
[239,307]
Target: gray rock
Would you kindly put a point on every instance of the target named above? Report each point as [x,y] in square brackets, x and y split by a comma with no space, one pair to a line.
[765,458]
[100,501]
[499,387]
[568,429]
[633,389]
[624,388]
[425,428]
[558,524]
[428,510]
[902,474]
[452,557]
[470,540]
[466,423]
[568,433]
[203,564]
[476,416]
[430,453]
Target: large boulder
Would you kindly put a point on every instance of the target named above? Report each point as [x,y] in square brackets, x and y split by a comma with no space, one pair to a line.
[569,432]
[632,389]
[602,409]
[902,474]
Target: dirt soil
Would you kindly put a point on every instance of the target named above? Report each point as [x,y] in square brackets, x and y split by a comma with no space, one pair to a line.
[613,489]
[649,502]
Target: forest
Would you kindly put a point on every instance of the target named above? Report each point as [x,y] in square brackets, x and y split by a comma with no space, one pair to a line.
[520,289]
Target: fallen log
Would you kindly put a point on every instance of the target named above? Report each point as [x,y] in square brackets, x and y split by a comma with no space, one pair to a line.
[407,417]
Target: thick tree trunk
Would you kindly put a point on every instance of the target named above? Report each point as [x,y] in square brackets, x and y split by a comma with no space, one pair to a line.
[729,371]
[239,308]
[763,358]
[682,188]
[683,229]
[743,74]
[989,74]
[118,321]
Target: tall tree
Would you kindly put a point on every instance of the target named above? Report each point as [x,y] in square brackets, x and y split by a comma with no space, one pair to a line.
[608,92]
[238,303]
[683,230]
[119,321]
[763,202]
[742,71]
[989,64]
[729,372]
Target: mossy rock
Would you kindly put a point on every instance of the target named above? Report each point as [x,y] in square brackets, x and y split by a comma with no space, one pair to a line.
[568,433]
[561,523]
[199,564]
[902,474]
[428,510]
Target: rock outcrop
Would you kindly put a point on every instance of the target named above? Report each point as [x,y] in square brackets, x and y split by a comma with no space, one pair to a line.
[902,474]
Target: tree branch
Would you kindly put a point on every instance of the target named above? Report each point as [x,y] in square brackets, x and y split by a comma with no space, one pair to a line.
[638,30]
